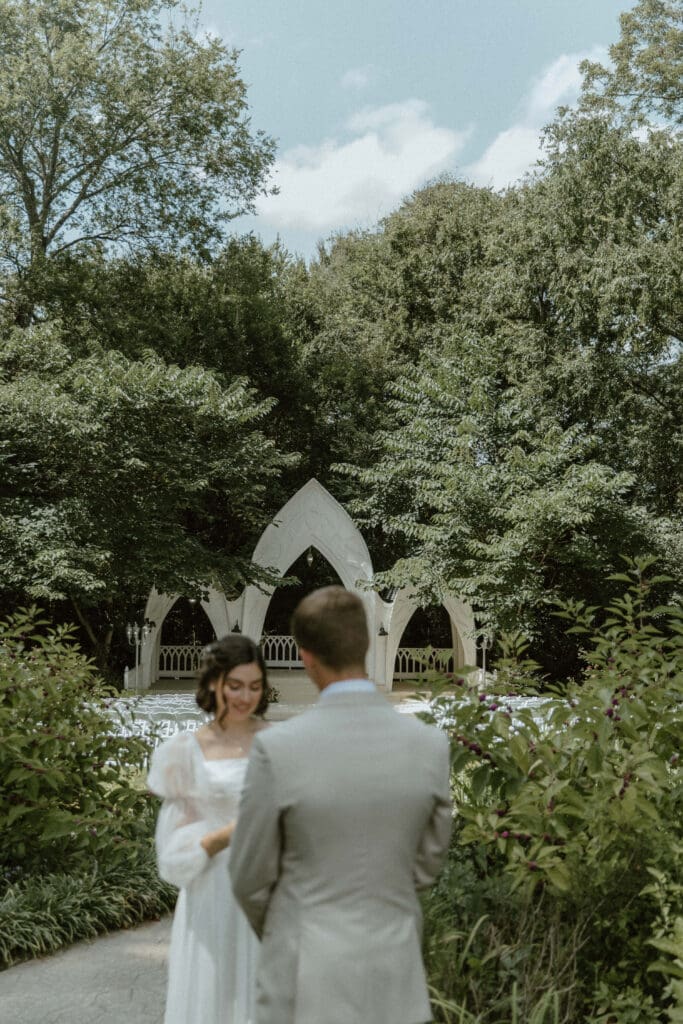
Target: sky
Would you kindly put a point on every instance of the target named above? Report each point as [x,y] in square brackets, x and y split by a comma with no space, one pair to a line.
[369,100]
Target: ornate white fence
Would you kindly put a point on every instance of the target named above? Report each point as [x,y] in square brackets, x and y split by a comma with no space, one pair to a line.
[412,662]
[281,652]
[179,661]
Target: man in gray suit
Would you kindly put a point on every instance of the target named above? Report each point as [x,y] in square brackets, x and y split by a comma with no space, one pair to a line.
[346,811]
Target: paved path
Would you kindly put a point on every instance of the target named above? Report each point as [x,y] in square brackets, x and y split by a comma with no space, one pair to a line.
[116,979]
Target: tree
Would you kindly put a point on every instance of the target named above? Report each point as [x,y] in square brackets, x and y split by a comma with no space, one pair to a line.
[224,312]
[645,80]
[117,128]
[493,500]
[121,474]
[540,435]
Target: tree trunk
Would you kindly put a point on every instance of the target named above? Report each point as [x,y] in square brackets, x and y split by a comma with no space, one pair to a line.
[97,644]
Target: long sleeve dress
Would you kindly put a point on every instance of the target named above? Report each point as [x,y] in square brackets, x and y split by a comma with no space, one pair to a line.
[212,958]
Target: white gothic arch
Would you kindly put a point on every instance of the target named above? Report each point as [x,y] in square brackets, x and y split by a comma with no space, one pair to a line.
[402,609]
[311,518]
[157,608]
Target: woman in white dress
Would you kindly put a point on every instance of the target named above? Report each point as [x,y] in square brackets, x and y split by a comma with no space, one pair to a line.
[199,776]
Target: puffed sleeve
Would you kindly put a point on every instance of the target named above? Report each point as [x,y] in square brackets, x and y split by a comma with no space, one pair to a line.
[174,775]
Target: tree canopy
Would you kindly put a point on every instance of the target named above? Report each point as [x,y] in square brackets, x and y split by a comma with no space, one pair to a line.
[120,474]
[492,382]
[527,429]
[118,126]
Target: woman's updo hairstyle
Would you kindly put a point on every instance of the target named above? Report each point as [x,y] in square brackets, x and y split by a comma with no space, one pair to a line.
[218,660]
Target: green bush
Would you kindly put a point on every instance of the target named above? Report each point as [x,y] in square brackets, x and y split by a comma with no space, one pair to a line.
[42,914]
[562,899]
[68,794]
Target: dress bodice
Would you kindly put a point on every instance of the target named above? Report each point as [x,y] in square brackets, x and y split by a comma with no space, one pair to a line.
[224,781]
[209,789]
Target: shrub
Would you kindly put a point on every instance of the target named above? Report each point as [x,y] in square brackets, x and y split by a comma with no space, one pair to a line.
[566,859]
[42,914]
[68,798]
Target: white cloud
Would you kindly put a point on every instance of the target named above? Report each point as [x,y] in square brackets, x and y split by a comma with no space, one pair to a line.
[209,34]
[508,158]
[357,78]
[390,151]
[515,150]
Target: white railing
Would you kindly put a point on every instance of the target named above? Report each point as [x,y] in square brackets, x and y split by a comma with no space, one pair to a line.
[281,652]
[412,662]
[179,661]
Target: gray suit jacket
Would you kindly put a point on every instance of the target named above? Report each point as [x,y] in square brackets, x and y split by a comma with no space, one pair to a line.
[346,810]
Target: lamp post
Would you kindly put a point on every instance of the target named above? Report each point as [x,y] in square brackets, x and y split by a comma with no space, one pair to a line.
[484,643]
[137,637]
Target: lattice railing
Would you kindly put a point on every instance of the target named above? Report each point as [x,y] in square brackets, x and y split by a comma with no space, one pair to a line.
[281,652]
[179,661]
[412,662]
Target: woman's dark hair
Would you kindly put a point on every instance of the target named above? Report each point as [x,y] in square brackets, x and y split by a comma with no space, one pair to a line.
[218,660]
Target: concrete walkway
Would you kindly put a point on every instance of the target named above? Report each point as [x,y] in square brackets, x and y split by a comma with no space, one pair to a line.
[115,979]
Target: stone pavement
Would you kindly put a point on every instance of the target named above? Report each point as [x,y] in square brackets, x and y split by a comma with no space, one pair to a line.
[115,979]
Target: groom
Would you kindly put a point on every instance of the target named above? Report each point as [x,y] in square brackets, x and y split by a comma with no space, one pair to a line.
[345,812]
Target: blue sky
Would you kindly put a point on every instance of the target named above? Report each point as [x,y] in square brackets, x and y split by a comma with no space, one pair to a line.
[369,99]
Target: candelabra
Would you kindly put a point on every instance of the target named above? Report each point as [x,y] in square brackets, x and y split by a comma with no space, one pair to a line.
[137,638]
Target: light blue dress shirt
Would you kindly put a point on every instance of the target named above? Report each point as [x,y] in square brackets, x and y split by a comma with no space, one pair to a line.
[348,686]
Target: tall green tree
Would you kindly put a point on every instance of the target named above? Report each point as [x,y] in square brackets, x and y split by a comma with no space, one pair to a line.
[540,434]
[120,474]
[644,81]
[119,125]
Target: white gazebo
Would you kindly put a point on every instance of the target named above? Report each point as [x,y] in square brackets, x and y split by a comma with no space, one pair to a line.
[312,518]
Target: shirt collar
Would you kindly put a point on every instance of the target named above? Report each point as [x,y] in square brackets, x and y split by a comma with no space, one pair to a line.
[348,686]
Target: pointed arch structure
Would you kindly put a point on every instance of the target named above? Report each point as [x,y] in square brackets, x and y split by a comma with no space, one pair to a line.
[402,609]
[157,608]
[313,518]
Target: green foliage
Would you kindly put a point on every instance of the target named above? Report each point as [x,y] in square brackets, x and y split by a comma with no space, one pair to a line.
[532,422]
[569,844]
[118,125]
[645,81]
[224,313]
[115,475]
[67,797]
[42,914]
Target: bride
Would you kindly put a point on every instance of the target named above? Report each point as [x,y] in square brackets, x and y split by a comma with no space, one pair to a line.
[199,775]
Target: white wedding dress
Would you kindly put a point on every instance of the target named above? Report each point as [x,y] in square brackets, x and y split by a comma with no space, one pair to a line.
[212,959]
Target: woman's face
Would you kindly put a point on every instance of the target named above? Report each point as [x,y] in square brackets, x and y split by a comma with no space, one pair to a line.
[239,692]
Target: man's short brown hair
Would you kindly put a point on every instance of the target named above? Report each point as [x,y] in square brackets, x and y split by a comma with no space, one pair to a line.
[331,624]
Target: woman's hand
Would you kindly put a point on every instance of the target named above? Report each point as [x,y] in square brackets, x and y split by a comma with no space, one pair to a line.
[214,842]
